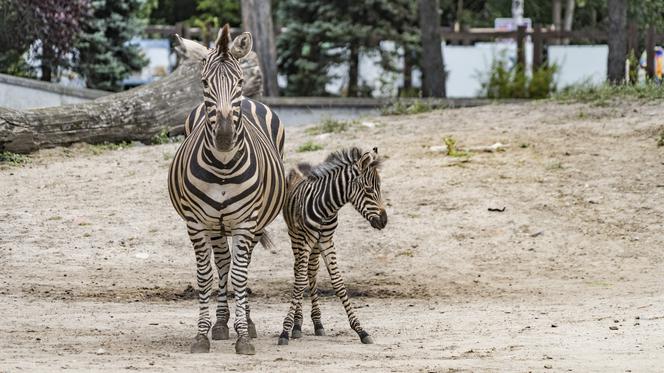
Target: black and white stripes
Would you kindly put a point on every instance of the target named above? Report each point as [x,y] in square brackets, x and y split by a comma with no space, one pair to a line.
[315,195]
[227,180]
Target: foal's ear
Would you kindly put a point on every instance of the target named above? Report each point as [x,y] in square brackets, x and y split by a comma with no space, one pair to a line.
[241,45]
[366,160]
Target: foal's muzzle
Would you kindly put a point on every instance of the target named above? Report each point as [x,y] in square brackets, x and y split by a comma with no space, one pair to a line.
[379,222]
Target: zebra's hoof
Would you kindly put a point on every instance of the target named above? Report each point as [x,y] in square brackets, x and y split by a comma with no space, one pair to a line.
[201,344]
[243,347]
[297,331]
[319,330]
[366,338]
[283,339]
[220,332]
[251,327]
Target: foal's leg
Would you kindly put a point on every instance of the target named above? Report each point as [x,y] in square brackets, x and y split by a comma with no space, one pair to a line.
[330,258]
[313,290]
[301,251]
[222,259]
[198,236]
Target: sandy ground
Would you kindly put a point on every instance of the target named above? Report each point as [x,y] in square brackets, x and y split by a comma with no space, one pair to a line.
[95,263]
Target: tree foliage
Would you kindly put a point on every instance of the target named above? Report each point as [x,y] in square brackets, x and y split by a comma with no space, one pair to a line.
[322,34]
[50,27]
[106,55]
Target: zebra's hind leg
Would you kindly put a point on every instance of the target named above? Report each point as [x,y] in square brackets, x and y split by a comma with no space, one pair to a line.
[251,327]
[222,259]
[313,291]
[330,258]
[202,250]
[300,269]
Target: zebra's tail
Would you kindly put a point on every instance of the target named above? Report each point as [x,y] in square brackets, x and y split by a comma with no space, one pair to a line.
[266,241]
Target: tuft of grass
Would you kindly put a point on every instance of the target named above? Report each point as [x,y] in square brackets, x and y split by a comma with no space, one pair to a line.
[400,107]
[14,158]
[161,138]
[330,125]
[660,140]
[106,146]
[309,146]
[557,165]
[604,94]
[452,150]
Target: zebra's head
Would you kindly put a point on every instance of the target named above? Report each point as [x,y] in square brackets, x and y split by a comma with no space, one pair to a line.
[365,190]
[222,80]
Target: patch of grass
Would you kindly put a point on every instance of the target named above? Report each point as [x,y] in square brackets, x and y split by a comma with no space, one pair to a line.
[400,107]
[330,125]
[407,252]
[604,94]
[55,218]
[452,150]
[660,140]
[97,149]
[309,146]
[14,158]
[161,138]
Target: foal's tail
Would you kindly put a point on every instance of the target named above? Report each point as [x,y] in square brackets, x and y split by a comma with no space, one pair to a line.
[266,241]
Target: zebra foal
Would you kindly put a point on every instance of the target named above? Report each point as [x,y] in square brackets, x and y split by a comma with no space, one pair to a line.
[314,197]
[227,180]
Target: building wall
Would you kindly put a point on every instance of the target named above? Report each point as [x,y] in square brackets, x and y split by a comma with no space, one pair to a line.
[21,93]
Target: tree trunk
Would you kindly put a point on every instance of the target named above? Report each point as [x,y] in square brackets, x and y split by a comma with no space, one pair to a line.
[556,14]
[353,70]
[137,114]
[617,41]
[433,69]
[257,19]
[569,15]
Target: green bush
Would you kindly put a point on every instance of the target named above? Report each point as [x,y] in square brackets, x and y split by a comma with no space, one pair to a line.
[603,94]
[329,125]
[506,82]
[13,158]
[309,146]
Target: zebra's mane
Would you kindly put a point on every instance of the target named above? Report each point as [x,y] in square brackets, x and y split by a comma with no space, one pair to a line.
[341,158]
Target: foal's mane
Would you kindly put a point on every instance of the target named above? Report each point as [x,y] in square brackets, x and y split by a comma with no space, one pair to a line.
[340,158]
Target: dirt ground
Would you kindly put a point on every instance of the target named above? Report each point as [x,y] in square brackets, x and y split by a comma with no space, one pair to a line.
[95,263]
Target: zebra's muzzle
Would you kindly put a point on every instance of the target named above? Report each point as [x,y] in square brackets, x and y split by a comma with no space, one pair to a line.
[223,137]
[379,222]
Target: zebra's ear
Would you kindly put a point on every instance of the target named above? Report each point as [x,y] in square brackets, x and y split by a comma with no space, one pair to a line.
[241,45]
[364,162]
[190,49]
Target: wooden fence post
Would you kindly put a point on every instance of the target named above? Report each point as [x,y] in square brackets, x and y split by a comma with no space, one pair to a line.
[538,47]
[650,52]
[521,46]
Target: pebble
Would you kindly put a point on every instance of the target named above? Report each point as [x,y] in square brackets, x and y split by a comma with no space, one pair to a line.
[101,351]
[613,327]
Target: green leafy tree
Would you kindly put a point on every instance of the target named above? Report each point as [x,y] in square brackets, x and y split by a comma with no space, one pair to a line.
[106,54]
[322,34]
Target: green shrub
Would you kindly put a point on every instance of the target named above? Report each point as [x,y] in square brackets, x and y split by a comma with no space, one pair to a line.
[14,158]
[505,82]
[309,146]
[603,94]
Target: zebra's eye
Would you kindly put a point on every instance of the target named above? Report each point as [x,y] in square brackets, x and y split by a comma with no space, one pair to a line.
[240,82]
[205,83]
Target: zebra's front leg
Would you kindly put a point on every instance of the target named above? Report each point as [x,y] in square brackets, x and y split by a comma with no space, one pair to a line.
[300,270]
[222,259]
[313,291]
[202,250]
[242,246]
[330,258]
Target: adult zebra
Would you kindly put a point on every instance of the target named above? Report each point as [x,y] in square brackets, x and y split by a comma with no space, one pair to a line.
[227,180]
[315,196]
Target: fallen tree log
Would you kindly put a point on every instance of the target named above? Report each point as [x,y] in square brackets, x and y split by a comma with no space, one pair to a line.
[134,115]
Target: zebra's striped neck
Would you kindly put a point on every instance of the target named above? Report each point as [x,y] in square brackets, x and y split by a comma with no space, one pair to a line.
[333,190]
[223,160]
